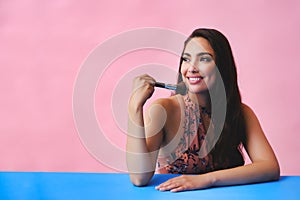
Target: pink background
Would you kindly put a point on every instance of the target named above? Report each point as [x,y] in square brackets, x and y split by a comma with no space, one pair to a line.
[44,43]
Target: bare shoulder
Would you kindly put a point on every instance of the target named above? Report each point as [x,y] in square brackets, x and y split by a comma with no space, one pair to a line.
[251,120]
[246,108]
[170,106]
[169,103]
[248,112]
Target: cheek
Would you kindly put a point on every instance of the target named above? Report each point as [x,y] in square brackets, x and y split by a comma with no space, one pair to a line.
[183,71]
[211,80]
[183,68]
[208,70]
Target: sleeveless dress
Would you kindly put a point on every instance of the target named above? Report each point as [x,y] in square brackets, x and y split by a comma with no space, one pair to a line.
[184,158]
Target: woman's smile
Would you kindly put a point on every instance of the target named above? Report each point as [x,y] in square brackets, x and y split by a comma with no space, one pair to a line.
[193,80]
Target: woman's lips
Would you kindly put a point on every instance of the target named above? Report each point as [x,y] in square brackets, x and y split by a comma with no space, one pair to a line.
[195,80]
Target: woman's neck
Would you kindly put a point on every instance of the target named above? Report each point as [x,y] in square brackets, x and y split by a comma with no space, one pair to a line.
[202,99]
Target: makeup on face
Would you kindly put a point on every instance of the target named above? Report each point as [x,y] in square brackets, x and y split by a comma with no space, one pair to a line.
[198,64]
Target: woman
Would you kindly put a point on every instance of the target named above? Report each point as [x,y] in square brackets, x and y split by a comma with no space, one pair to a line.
[200,131]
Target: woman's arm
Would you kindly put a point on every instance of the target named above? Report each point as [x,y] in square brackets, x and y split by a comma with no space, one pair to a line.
[264,166]
[144,133]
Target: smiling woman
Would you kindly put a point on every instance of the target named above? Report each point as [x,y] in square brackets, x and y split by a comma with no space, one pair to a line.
[198,66]
[186,141]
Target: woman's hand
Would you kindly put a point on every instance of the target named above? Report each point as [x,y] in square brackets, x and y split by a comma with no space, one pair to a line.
[186,182]
[143,88]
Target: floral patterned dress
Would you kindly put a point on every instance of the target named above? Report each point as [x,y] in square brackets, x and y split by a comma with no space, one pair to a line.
[185,158]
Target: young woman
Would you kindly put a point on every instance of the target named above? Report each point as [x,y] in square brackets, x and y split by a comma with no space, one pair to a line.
[200,131]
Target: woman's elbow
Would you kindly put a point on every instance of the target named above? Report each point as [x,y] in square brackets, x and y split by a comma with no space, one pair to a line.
[136,181]
[274,171]
[140,179]
[276,175]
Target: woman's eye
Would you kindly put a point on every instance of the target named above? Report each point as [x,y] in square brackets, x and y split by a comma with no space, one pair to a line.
[205,59]
[185,59]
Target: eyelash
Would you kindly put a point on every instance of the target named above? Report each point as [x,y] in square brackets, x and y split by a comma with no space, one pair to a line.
[205,59]
[202,59]
[184,59]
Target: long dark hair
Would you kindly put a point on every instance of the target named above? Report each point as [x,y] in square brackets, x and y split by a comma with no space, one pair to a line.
[227,151]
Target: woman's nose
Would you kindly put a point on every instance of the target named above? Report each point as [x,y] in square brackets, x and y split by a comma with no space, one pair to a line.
[193,67]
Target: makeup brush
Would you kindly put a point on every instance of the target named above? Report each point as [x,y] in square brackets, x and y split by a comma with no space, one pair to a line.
[180,88]
[165,85]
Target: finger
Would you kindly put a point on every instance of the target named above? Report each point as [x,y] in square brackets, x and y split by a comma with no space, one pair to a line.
[162,186]
[149,78]
[142,82]
[178,189]
[174,185]
[146,80]
[170,186]
[168,182]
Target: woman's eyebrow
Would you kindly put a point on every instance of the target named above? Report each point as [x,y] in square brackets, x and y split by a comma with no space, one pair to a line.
[186,54]
[204,53]
[199,54]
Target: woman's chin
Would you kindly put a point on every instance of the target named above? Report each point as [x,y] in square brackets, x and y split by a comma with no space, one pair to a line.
[197,90]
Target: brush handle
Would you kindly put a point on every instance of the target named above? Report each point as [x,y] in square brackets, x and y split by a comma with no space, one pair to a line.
[167,86]
[159,84]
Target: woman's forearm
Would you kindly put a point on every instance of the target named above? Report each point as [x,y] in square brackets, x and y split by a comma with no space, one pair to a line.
[139,160]
[260,171]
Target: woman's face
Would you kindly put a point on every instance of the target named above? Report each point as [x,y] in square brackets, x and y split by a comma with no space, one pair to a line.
[198,68]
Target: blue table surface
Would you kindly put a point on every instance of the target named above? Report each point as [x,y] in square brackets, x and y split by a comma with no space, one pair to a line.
[60,185]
